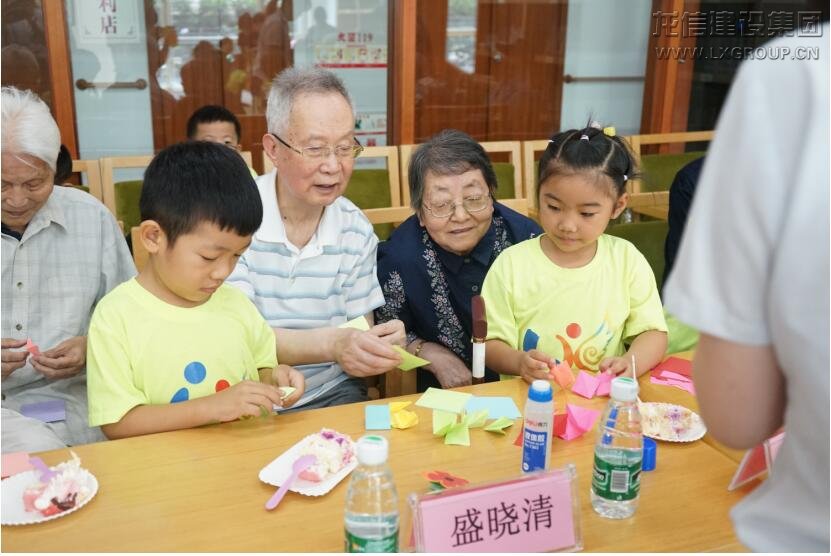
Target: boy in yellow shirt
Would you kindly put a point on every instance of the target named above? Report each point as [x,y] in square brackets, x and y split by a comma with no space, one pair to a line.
[175,347]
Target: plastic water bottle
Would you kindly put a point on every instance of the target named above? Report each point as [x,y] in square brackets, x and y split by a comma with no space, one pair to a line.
[618,454]
[539,421]
[371,516]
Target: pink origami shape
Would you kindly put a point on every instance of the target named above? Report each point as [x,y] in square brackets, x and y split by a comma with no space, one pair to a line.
[32,348]
[585,385]
[562,375]
[682,384]
[560,421]
[673,376]
[676,365]
[604,386]
[579,420]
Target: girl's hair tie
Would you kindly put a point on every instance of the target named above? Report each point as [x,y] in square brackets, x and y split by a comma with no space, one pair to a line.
[609,131]
[584,137]
[625,177]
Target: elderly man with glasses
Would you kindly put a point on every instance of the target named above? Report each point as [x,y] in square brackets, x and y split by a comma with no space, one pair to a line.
[436,261]
[312,264]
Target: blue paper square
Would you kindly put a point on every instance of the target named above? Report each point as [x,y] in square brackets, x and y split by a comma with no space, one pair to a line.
[377,417]
[497,406]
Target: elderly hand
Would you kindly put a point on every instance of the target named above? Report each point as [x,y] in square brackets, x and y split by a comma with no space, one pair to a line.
[64,360]
[12,359]
[364,353]
[448,368]
[391,332]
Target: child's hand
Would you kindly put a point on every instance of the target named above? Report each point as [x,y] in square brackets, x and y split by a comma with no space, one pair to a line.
[535,365]
[616,365]
[289,376]
[248,398]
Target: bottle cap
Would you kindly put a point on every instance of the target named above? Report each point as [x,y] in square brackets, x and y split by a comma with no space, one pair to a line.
[649,454]
[624,389]
[540,391]
[372,449]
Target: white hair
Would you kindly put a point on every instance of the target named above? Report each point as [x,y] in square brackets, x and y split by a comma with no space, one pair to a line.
[28,127]
[293,82]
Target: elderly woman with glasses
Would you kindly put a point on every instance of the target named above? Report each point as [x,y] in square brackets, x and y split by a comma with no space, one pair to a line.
[436,261]
[311,266]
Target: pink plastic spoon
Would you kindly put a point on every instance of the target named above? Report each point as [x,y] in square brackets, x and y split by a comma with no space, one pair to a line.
[300,464]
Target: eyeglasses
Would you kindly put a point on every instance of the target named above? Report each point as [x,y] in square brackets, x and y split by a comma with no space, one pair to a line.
[316,153]
[470,204]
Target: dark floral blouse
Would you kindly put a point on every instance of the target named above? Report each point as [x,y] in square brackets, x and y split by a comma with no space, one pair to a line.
[429,289]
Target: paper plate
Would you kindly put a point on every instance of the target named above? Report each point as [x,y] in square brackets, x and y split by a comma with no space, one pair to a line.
[12,495]
[670,422]
[279,470]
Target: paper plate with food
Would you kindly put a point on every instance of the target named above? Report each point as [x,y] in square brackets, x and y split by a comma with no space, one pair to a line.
[334,459]
[47,493]
[671,422]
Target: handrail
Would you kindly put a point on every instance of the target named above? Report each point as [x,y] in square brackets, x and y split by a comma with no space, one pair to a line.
[568,78]
[139,84]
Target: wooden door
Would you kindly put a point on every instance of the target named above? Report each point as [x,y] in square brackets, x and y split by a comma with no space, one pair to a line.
[513,88]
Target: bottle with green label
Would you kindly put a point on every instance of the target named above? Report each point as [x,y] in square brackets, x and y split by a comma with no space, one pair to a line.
[371,516]
[618,453]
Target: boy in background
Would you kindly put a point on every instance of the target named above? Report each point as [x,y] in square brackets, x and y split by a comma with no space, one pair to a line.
[175,347]
[216,124]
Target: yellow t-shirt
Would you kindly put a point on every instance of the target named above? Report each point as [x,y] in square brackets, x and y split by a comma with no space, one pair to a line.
[143,351]
[581,315]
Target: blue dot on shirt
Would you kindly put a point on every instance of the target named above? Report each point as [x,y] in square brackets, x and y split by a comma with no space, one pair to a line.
[195,372]
[181,395]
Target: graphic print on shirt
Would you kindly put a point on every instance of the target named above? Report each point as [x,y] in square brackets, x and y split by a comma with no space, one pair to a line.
[587,355]
[195,373]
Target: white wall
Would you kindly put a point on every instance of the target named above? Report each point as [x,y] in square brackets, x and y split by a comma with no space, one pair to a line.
[606,38]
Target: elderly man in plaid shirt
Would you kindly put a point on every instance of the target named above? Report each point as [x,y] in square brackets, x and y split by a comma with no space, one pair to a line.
[62,251]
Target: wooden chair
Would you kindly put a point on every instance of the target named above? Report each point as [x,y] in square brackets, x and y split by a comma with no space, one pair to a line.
[398,383]
[140,254]
[511,190]
[110,164]
[93,171]
[677,161]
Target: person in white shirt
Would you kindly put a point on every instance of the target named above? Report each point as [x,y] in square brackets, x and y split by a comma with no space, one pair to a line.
[312,264]
[752,275]
[62,251]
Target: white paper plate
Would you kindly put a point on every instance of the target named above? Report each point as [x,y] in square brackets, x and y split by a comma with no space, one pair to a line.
[279,470]
[12,495]
[671,422]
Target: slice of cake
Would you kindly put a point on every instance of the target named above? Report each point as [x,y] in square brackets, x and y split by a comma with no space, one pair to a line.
[333,451]
[66,488]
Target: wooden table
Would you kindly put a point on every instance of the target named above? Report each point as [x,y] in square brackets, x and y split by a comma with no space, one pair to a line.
[197,490]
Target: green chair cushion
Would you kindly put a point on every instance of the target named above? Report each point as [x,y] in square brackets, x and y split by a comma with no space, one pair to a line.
[127,195]
[649,238]
[505,187]
[368,189]
[659,169]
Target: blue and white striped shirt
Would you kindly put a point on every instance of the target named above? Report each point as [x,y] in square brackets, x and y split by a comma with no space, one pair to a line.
[331,280]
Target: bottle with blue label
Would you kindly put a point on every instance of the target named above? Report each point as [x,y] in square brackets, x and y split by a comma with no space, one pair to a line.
[539,422]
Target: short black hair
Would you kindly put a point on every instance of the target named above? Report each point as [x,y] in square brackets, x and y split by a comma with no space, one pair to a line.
[589,150]
[450,152]
[212,113]
[200,181]
[63,166]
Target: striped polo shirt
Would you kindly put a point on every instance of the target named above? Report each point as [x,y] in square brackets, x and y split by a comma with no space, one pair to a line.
[331,280]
